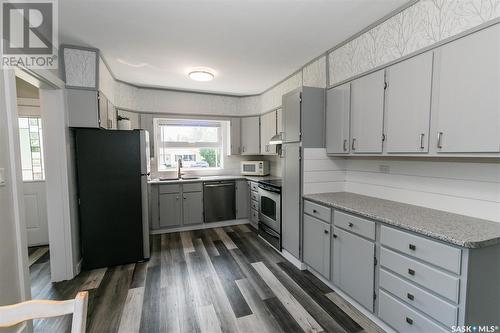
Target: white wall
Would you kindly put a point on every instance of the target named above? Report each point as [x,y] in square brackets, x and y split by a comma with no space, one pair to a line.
[14,284]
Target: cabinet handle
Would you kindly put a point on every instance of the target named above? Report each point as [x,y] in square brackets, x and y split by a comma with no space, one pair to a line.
[353,144]
[315,211]
[184,197]
[326,231]
[410,296]
[243,149]
[177,198]
[412,247]
[345,145]
[409,320]
[334,236]
[350,225]
[411,271]
[440,140]
[422,141]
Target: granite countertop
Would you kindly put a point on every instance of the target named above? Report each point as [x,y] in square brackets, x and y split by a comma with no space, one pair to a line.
[464,231]
[212,178]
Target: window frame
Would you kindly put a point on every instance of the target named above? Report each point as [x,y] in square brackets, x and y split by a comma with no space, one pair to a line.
[159,144]
[31,146]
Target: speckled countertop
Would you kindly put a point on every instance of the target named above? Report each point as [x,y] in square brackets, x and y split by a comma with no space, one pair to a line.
[452,228]
[211,178]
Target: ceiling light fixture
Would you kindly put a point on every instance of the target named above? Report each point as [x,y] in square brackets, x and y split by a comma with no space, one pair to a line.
[201,74]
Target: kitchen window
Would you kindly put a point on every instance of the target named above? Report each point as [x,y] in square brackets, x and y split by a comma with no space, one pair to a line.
[30,137]
[198,143]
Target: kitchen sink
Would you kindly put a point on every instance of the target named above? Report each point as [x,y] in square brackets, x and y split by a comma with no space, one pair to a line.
[183,178]
[190,178]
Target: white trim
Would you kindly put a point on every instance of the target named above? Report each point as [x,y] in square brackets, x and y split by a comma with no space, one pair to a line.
[296,262]
[200,226]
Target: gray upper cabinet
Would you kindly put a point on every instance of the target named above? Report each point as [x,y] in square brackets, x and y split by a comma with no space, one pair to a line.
[467,102]
[170,210]
[338,107]
[367,113]
[267,131]
[112,116]
[235,136]
[317,245]
[354,266]
[192,208]
[103,111]
[279,121]
[408,105]
[82,108]
[250,136]
[242,199]
[291,116]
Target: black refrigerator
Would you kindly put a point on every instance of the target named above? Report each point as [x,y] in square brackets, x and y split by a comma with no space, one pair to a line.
[112,173]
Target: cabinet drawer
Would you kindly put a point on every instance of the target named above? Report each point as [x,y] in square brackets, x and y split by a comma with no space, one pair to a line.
[254,215]
[254,186]
[254,196]
[255,205]
[318,211]
[433,252]
[429,304]
[170,188]
[431,278]
[354,224]
[404,319]
[192,187]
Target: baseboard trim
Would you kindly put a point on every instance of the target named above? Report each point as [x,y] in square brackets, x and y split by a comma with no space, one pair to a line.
[199,226]
[291,258]
[354,303]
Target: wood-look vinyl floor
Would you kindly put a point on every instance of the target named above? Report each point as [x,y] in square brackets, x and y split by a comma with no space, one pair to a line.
[213,280]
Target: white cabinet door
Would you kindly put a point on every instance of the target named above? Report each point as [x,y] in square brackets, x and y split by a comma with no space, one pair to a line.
[354,266]
[408,105]
[367,113]
[192,208]
[338,107]
[267,131]
[250,136]
[467,94]
[279,121]
[317,245]
[235,136]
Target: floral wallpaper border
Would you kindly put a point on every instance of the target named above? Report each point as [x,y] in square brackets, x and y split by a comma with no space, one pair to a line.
[424,23]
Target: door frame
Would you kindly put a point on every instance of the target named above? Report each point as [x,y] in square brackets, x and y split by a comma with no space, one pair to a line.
[64,264]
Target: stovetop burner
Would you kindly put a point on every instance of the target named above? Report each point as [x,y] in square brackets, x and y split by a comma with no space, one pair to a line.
[271,182]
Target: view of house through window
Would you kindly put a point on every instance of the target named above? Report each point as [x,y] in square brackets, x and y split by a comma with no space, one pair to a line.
[198,143]
[30,135]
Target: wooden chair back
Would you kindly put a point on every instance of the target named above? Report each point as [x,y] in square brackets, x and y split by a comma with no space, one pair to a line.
[11,315]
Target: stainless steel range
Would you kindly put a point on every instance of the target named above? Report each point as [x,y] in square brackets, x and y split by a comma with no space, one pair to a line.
[270,211]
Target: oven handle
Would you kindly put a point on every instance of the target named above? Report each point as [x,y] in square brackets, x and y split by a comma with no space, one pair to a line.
[269,190]
[269,231]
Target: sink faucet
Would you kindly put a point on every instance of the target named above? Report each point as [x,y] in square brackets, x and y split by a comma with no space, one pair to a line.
[179,166]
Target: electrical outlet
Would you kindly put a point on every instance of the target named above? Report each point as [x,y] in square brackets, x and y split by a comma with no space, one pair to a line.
[384,168]
[2,177]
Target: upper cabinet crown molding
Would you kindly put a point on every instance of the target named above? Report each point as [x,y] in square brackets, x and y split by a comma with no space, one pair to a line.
[80,67]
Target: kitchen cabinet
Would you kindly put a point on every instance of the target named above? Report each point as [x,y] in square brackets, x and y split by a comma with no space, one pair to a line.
[90,109]
[317,245]
[291,199]
[466,99]
[291,117]
[250,136]
[112,116]
[267,131]
[408,105]
[170,210]
[103,111]
[242,200]
[367,113]
[279,121]
[192,208]
[235,136]
[354,266]
[338,108]
[253,203]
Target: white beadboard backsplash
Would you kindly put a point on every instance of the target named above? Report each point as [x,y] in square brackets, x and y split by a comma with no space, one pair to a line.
[460,186]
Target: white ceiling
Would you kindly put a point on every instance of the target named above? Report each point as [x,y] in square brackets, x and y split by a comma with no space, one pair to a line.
[251,44]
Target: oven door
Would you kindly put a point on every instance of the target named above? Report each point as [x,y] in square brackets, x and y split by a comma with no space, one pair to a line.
[270,209]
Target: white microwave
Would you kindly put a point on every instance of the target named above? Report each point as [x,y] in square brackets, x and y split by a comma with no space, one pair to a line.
[255,168]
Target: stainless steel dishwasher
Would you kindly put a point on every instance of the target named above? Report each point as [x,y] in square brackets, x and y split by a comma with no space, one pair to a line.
[219,201]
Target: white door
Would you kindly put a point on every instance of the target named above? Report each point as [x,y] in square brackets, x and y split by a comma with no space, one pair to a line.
[35,205]
[338,107]
[367,113]
[250,136]
[467,94]
[408,105]
[267,131]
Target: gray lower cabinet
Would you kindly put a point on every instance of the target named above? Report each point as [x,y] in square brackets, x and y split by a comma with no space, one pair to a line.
[170,210]
[192,208]
[354,266]
[317,245]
